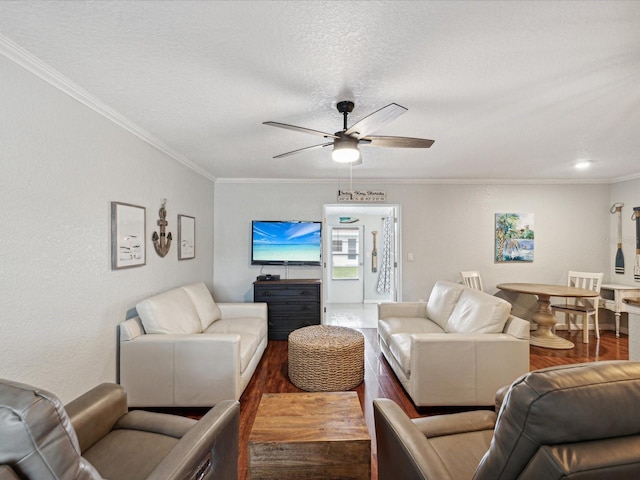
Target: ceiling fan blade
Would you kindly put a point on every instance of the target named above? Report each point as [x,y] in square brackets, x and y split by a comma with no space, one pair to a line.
[303,149]
[398,142]
[300,129]
[375,120]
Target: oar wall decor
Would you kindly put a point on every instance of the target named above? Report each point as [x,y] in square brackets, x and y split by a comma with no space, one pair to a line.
[374,253]
[617,208]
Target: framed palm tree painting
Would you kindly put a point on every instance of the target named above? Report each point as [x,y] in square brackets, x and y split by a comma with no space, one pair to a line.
[514,237]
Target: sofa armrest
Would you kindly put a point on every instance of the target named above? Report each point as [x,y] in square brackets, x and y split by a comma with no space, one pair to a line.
[237,310]
[198,369]
[468,367]
[402,450]
[94,413]
[402,309]
[517,327]
[209,450]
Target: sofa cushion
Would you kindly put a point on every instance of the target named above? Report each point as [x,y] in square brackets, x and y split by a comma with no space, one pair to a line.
[478,312]
[387,327]
[169,312]
[442,301]
[250,336]
[400,347]
[207,309]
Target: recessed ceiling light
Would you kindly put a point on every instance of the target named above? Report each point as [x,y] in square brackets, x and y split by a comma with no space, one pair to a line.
[582,164]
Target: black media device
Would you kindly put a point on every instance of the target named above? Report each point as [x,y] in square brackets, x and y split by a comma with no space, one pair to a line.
[268,277]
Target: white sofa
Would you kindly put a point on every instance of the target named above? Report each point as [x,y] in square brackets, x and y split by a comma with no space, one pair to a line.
[458,348]
[183,349]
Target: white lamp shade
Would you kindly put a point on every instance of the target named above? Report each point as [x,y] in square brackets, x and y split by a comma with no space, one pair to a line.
[345,150]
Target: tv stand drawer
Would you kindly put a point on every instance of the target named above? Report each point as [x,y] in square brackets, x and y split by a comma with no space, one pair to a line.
[292,304]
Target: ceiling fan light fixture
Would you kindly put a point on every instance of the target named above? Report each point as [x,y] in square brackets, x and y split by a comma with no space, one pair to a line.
[345,150]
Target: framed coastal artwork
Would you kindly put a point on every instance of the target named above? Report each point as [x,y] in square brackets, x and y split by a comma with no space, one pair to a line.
[186,237]
[514,238]
[128,235]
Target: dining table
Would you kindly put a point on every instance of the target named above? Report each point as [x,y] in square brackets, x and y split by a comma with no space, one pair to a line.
[544,335]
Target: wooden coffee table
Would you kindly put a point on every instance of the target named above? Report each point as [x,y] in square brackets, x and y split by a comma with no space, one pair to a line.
[311,436]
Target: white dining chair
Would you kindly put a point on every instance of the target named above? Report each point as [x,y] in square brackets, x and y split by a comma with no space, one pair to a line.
[472,279]
[584,307]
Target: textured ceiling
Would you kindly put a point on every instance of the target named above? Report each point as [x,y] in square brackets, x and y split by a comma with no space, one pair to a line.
[508,90]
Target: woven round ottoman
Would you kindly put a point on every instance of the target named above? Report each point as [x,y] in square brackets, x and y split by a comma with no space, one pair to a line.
[324,358]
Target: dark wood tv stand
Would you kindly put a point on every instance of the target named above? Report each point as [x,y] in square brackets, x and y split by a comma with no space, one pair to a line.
[291,304]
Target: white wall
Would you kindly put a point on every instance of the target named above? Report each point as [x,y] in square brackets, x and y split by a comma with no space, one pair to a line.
[628,193]
[447,228]
[236,204]
[61,166]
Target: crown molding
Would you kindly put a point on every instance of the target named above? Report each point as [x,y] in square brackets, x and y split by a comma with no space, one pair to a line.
[29,62]
[418,181]
[626,178]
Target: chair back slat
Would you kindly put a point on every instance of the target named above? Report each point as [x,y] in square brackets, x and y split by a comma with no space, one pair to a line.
[472,279]
[588,280]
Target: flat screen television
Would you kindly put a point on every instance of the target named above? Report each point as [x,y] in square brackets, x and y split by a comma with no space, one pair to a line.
[286,243]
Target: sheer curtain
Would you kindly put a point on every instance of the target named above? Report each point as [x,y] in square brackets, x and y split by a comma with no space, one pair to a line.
[384,277]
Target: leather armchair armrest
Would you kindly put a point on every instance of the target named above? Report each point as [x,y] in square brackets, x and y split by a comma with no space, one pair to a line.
[455,423]
[237,310]
[402,309]
[94,413]
[403,451]
[174,426]
[7,473]
[220,427]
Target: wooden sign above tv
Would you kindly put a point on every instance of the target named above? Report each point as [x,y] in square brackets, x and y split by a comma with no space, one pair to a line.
[362,196]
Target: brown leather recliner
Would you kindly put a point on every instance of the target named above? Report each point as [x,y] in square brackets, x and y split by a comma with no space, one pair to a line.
[95,436]
[577,421]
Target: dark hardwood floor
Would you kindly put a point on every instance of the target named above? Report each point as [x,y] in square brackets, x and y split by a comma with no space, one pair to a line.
[380,381]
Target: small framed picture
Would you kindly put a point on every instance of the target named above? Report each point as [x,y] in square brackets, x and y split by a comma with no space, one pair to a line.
[186,237]
[128,235]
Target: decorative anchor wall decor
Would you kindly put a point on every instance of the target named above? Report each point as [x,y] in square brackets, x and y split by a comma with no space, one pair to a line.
[161,242]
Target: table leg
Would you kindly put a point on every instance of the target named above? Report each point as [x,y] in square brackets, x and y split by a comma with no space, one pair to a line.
[617,324]
[543,336]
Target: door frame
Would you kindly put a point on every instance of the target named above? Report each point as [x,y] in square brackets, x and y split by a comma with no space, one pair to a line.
[355,210]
